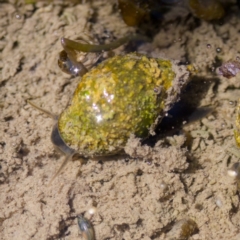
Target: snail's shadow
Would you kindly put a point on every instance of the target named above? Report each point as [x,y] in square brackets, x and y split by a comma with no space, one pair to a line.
[187,110]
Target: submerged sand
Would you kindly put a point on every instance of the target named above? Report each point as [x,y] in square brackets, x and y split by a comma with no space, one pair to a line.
[149,195]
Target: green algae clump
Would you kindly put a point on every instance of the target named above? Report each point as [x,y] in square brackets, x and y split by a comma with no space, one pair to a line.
[122,96]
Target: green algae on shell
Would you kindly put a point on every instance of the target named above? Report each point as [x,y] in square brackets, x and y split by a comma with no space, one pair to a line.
[122,96]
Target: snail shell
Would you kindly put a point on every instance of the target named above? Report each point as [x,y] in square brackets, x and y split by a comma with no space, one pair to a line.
[117,99]
[86,228]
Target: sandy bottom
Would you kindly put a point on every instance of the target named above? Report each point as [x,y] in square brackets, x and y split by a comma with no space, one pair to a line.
[179,183]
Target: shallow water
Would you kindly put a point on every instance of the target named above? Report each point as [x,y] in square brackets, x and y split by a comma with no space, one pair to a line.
[182,176]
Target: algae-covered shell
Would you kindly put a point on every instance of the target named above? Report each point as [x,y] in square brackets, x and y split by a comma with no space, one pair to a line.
[122,96]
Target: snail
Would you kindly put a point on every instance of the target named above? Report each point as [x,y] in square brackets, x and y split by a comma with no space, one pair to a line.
[121,96]
[86,228]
